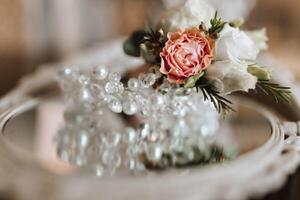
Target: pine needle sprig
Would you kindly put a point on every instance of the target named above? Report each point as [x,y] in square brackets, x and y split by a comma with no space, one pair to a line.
[222,105]
[279,93]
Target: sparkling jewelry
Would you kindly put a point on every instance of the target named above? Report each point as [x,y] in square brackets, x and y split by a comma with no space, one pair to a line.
[172,125]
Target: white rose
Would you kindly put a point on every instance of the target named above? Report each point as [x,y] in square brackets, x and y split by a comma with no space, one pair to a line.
[235,44]
[189,13]
[259,37]
[230,76]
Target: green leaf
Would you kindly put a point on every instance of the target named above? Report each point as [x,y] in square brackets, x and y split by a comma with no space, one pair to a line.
[132,45]
[192,80]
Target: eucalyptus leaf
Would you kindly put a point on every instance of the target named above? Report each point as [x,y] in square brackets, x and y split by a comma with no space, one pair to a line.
[132,45]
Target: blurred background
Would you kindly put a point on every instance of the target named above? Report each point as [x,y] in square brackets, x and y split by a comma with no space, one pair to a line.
[38,31]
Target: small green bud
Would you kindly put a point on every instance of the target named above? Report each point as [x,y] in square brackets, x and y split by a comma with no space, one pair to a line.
[260,72]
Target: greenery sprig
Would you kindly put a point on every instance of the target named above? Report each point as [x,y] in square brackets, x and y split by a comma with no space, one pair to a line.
[222,105]
[280,93]
[264,84]
[217,25]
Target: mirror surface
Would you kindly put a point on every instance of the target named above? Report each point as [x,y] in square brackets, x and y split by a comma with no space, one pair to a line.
[34,131]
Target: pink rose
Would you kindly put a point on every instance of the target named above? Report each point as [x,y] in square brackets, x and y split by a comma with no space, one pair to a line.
[186,54]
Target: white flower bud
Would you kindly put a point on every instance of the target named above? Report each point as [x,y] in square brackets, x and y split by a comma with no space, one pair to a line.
[232,75]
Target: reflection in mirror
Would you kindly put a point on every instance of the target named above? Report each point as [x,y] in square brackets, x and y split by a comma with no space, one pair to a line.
[34,132]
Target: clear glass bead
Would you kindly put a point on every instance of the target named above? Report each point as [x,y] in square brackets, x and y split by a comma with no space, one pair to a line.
[151,79]
[83,139]
[144,130]
[120,88]
[165,87]
[133,84]
[132,151]
[131,164]
[98,91]
[83,80]
[114,77]
[155,70]
[64,76]
[153,136]
[63,152]
[147,80]
[130,108]
[188,91]
[115,105]
[98,169]
[129,136]
[154,152]
[100,72]
[85,94]
[145,112]
[111,87]
[158,99]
